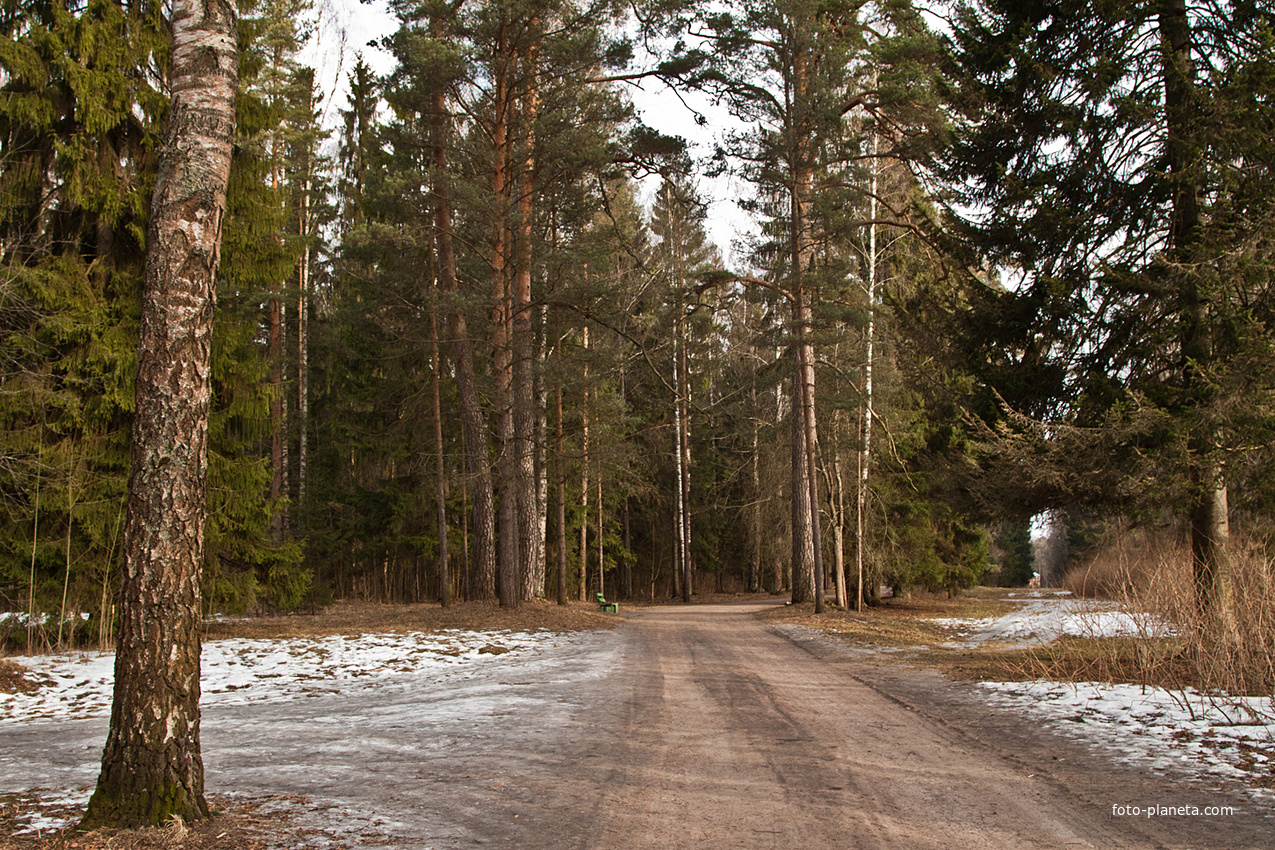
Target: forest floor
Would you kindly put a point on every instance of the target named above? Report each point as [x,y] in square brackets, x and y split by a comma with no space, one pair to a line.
[727,723]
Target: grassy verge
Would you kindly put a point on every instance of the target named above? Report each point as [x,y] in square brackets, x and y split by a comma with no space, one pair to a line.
[910,623]
[917,630]
[345,618]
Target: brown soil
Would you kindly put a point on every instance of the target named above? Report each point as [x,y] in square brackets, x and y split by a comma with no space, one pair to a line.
[345,618]
[236,825]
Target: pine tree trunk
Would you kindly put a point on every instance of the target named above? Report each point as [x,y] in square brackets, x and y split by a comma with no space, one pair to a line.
[804,503]
[602,572]
[524,395]
[508,584]
[473,428]
[807,578]
[803,554]
[812,473]
[152,768]
[440,468]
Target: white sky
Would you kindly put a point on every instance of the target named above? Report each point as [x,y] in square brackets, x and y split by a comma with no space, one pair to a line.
[347,26]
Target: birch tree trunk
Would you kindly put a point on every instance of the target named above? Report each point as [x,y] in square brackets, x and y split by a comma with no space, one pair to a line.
[584,478]
[561,491]
[682,561]
[869,413]
[688,582]
[541,454]
[837,506]
[152,767]
[305,227]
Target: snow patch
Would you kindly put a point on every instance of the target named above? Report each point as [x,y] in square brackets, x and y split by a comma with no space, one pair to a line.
[1046,618]
[1202,735]
[238,671]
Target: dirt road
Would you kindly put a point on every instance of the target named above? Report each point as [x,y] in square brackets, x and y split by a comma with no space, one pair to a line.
[739,736]
[686,727]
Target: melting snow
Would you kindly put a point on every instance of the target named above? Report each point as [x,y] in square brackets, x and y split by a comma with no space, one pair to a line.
[1046,618]
[372,670]
[1157,728]
[237,671]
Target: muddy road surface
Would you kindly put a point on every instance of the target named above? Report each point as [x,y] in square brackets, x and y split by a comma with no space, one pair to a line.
[686,727]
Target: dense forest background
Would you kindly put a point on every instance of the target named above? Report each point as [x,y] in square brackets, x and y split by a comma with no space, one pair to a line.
[1013,262]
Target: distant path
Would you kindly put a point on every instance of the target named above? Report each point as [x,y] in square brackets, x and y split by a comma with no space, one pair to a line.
[686,727]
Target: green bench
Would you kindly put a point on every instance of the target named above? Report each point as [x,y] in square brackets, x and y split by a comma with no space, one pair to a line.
[613,607]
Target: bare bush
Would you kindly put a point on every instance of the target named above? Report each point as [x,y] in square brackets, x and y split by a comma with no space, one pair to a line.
[1133,561]
[1183,645]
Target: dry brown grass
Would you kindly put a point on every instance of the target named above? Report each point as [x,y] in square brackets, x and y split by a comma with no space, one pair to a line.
[899,623]
[1132,562]
[1176,648]
[1068,659]
[16,679]
[347,618]
[1232,652]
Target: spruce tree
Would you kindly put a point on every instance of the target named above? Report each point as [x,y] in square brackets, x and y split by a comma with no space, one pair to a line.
[1103,167]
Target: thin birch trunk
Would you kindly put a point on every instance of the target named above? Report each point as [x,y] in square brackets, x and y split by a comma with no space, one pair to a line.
[688,577]
[541,455]
[35,543]
[682,567]
[584,478]
[303,344]
[560,474]
[869,412]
